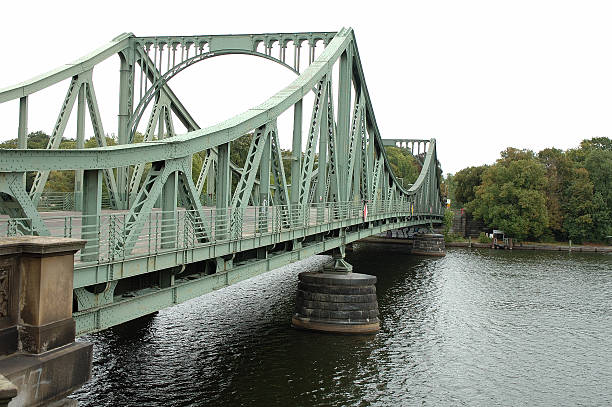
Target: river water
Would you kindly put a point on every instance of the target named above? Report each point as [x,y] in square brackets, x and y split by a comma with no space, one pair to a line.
[477,328]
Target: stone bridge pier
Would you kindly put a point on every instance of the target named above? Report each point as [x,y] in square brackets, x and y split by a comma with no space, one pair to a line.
[336,300]
[40,362]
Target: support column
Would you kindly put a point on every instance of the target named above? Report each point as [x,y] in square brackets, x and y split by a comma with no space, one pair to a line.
[91,210]
[80,144]
[357,164]
[264,186]
[38,352]
[222,222]
[337,302]
[22,131]
[344,118]
[371,159]
[210,181]
[321,189]
[160,124]
[125,93]
[296,163]
[168,207]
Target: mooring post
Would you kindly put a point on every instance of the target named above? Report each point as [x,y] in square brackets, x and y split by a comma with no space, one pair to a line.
[38,352]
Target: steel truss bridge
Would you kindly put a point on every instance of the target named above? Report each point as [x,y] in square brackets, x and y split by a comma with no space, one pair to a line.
[163,235]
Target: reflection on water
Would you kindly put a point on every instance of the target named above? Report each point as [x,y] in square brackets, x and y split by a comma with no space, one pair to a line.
[477,327]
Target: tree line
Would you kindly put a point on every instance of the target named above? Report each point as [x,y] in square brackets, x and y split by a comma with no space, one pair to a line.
[550,195]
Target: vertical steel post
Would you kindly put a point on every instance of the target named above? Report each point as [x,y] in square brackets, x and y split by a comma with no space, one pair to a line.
[296,160]
[344,118]
[357,161]
[22,131]
[168,207]
[80,143]
[321,189]
[125,92]
[92,208]
[223,185]
[210,179]
[264,183]
[160,129]
[371,159]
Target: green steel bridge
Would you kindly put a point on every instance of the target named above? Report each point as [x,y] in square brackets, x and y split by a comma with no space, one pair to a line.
[158,235]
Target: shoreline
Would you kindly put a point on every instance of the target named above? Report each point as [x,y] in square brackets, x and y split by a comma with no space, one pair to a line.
[540,247]
[532,247]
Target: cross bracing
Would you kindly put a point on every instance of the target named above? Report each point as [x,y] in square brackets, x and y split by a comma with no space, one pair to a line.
[152,230]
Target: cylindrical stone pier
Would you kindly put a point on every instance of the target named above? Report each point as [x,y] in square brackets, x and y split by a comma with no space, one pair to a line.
[337,302]
[429,244]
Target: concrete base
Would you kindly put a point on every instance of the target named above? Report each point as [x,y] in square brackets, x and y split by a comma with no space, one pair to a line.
[337,302]
[429,244]
[313,325]
[48,377]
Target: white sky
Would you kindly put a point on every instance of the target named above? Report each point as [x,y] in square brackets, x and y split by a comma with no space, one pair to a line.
[476,75]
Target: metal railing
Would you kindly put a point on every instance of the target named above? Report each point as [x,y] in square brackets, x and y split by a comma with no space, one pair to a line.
[64,201]
[109,239]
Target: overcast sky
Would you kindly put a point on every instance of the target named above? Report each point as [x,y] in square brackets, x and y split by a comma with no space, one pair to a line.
[476,75]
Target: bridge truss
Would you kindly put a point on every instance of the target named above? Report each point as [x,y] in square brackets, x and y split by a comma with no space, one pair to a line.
[161,241]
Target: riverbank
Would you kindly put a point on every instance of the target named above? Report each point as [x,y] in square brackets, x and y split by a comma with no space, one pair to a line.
[520,246]
[540,247]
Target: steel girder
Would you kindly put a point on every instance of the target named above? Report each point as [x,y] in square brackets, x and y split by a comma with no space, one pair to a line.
[344,162]
[352,159]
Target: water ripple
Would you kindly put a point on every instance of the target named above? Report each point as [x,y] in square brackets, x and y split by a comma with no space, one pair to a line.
[475,328]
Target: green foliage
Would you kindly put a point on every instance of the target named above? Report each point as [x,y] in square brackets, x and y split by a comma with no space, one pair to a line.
[558,169]
[483,238]
[453,237]
[449,215]
[554,195]
[464,184]
[447,189]
[511,196]
[286,154]
[403,163]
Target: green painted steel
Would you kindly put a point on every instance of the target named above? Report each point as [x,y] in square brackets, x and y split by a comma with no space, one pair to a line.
[159,245]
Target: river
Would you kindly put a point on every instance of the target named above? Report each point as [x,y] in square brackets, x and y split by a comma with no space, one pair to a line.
[476,328]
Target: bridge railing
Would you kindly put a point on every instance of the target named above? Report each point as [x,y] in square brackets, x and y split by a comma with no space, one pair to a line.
[106,234]
[64,201]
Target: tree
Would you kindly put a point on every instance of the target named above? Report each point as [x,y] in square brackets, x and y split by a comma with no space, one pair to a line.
[597,143]
[558,169]
[403,164]
[448,187]
[465,182]
[511,196]
[578,206]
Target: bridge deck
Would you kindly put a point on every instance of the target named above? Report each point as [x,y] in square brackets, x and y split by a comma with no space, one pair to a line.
[172,231]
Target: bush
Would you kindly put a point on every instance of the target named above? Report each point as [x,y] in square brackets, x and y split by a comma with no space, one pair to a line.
[449,215]
[483,238]
[453,237]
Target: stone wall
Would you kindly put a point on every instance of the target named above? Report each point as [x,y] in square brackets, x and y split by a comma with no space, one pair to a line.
[429,244]
[38,354]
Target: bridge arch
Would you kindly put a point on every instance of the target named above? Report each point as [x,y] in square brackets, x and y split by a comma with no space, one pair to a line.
[161,81]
